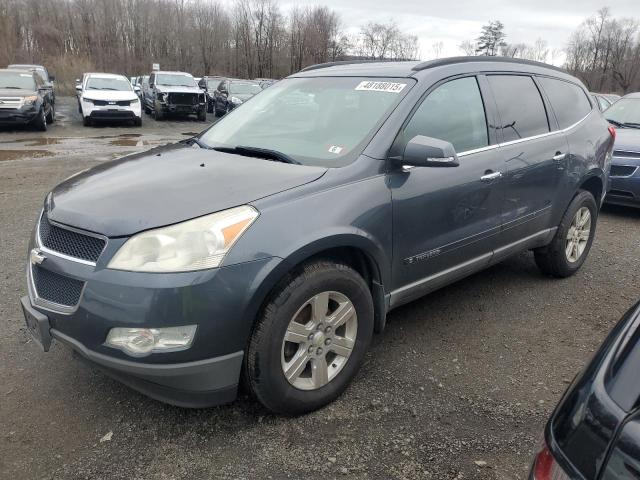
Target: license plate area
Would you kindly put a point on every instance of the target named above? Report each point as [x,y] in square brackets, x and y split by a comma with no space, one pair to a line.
[37,324]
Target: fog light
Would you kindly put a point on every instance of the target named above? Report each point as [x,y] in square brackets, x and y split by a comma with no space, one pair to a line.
[139,342]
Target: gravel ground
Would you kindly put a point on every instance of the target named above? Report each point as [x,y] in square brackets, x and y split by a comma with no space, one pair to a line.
[464,376]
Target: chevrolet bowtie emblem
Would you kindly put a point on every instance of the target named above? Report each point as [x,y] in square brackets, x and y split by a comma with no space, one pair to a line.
[36,257]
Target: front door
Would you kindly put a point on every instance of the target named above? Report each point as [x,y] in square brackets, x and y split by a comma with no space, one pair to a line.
[445,220]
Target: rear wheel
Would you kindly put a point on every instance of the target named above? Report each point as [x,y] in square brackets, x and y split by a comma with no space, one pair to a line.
[571,244]
[311,339]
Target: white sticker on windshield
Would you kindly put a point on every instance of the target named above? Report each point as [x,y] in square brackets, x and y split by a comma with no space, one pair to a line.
[391,87]
[335,149]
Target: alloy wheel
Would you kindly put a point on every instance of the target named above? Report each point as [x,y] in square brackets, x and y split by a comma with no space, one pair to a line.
[578,235]
[319,340]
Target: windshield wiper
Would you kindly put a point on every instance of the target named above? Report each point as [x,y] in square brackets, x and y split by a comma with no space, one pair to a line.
[196,140]
[257,152]
[12,88]
[632,124]
[616,123]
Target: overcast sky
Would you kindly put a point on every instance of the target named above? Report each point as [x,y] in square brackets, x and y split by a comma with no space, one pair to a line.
[452,21]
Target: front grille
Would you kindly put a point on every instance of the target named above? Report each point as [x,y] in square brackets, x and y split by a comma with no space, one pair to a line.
[105,103]
[622,170]
[621,154]
[10,102]
[183,98]
[56,288]
[69,242]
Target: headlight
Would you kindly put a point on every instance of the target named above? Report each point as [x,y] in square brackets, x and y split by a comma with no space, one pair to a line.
[139,342]
[236,100]
[162,97]
[30,100]
[196,244]
[87,100]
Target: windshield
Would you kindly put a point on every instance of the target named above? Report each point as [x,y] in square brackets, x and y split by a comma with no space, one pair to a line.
[315,121]
[15,80]
[103,83]
[244,88]
[175,80]
[39,70]
[625,111]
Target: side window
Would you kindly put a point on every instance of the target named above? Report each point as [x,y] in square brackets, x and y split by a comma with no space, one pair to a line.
[453,112]
[569,102]
[522,112]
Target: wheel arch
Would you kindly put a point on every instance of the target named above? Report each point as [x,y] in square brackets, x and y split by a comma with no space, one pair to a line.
[593,182]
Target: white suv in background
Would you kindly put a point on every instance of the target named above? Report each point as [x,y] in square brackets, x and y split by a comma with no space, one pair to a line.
[106,96]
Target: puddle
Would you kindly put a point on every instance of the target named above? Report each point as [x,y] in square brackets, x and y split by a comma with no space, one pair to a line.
[129,142]
[18,154]
[41,142]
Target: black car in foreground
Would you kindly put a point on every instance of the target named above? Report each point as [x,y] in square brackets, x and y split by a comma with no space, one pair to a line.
[25,99]
[594,432]
[272,245]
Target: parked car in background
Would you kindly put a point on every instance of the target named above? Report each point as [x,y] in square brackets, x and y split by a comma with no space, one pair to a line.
[263,245]
[625,166]
[265,82]
[602,101]
[209,85]
[144,86]
[232,93]
[594,432]
[25,99]
[612,97]
[174,93]
[49,79]
[108,97]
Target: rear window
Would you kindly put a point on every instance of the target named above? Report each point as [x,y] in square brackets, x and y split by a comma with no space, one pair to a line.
[522,112]
[569,102]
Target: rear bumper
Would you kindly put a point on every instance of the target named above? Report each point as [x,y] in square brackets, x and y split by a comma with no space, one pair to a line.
[199,384]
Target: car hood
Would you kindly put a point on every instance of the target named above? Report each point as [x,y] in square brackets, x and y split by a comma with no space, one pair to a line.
[627,139]
[109,95]
[168,185]
[169,89]
[12,92]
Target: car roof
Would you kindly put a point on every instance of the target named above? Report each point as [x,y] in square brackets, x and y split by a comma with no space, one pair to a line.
[25,65]
[411,68]
[105,75]
[632,95]
[18,70]
[172,73]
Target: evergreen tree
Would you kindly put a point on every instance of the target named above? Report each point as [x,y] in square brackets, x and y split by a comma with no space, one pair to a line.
[491,39]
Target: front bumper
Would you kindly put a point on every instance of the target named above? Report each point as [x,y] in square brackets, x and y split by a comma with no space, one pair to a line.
[182,109]
[18,116]
[222,302]
[624,190]
[112,112]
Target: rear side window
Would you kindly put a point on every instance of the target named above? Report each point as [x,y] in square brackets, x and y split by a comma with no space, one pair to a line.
[522,112]
[453,112]
[569,102]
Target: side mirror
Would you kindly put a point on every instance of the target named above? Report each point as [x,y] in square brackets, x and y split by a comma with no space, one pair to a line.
[78,87]
[424,151]
[52,78]
[136,89]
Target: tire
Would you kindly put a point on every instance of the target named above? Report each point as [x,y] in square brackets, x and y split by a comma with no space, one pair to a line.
[51,117]
[202,115]
[558,259]
[218,113]
[86,121]
[269,355]
[137,122]
[209,107]
[147,110]
[157,114]
[40,123]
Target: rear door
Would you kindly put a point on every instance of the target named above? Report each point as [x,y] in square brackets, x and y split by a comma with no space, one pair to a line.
[535,153]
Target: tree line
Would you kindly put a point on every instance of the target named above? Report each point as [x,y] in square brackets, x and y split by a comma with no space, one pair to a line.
[246,39]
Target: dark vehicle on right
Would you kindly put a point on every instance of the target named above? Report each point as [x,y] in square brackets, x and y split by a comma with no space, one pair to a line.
[594,432]
[232,93]
[624,177]
[270,247]
[209,85]
[25,99]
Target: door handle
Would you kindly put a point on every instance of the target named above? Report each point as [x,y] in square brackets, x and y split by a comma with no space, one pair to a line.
[490,176]
[558,157]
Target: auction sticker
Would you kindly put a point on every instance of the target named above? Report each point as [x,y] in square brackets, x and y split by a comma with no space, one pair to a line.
[390,87]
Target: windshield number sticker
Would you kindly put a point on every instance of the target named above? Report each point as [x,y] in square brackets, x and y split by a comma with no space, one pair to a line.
[335,149]
[390,87]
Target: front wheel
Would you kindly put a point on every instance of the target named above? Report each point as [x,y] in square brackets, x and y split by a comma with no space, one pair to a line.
[571,244]
[202,114]
[40,123]
[51,117]
[311,339]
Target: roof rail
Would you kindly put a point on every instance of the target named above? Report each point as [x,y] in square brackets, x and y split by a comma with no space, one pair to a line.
[342,62]
[483,58]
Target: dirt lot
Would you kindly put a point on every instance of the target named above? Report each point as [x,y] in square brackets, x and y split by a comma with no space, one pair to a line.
[469,373]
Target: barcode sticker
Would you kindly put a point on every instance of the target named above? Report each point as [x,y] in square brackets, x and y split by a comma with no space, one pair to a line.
[390,87]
